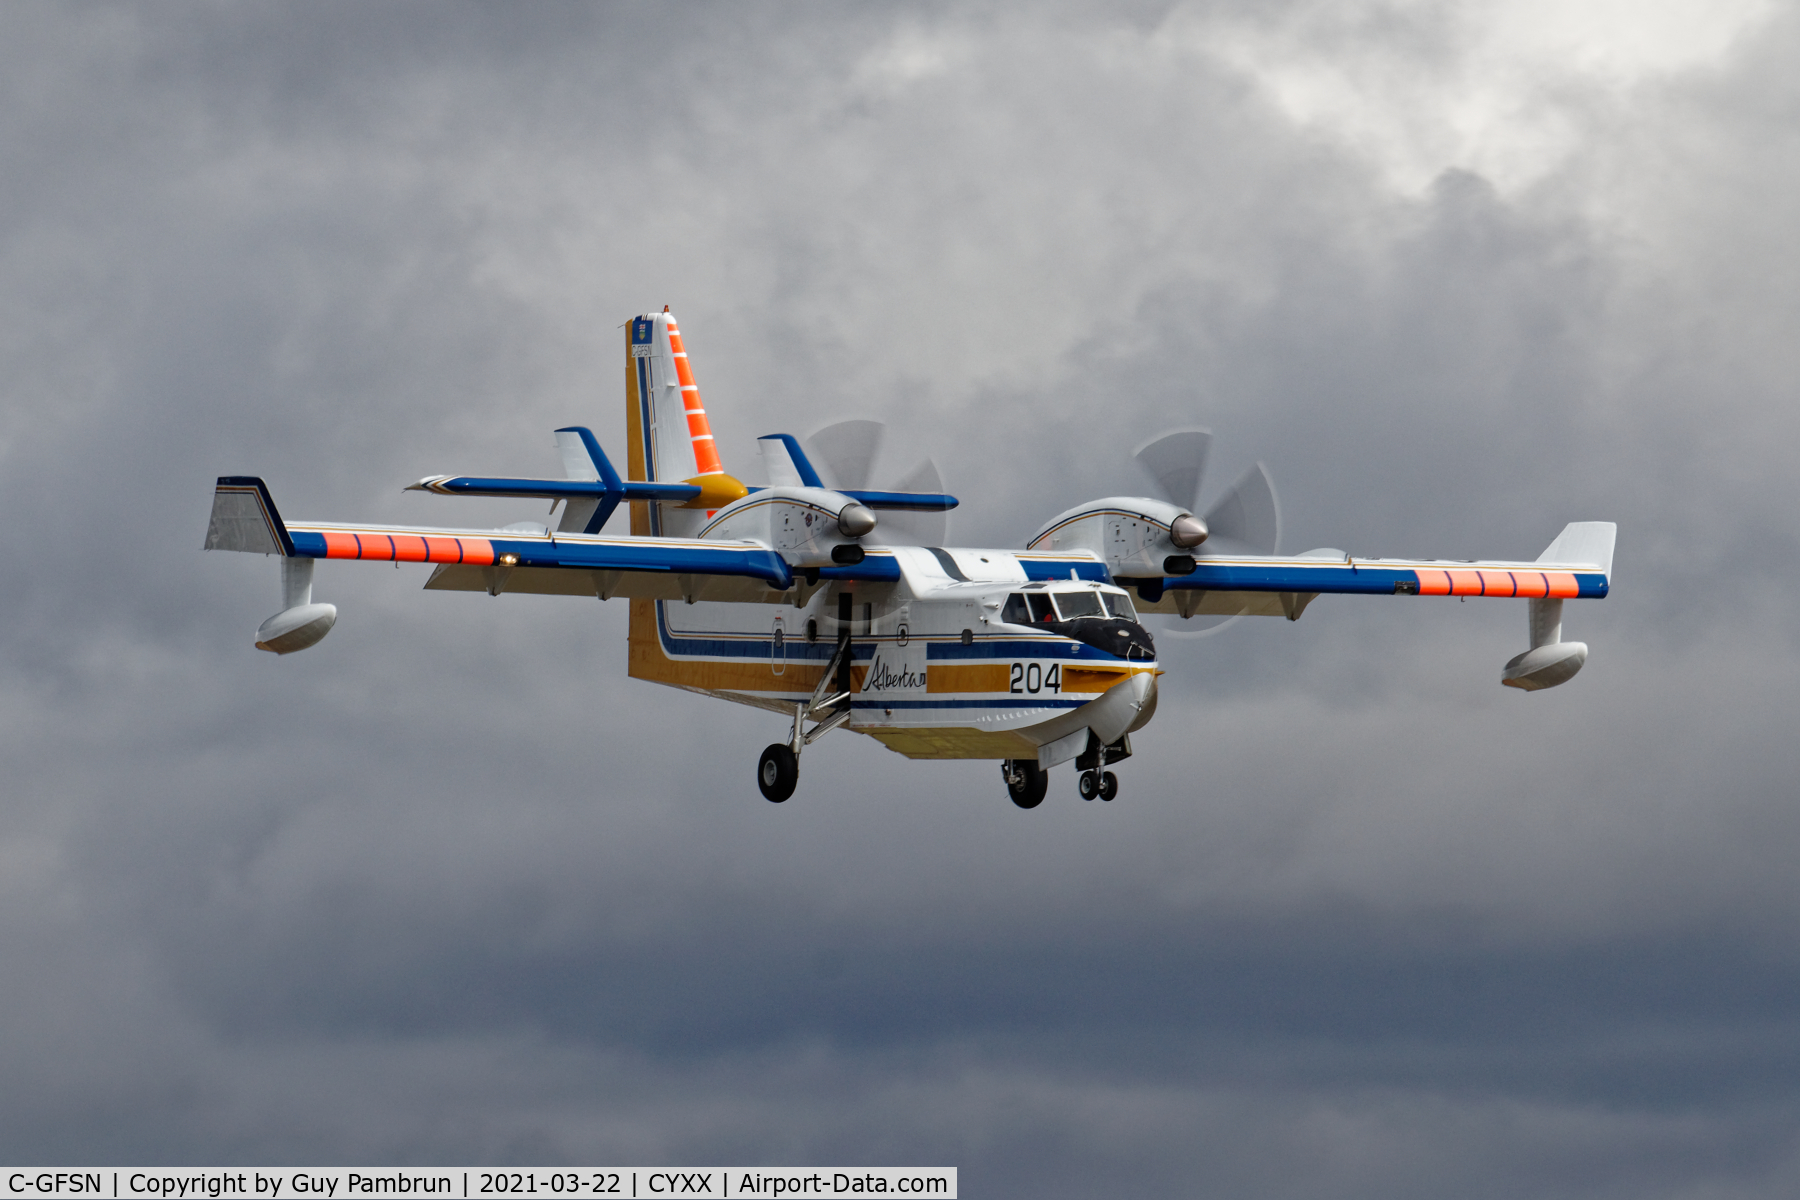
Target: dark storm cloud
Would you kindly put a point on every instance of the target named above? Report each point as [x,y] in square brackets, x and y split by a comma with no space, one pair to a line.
[450,887]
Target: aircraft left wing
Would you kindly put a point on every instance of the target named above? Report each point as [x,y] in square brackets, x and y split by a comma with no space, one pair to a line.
[528,558]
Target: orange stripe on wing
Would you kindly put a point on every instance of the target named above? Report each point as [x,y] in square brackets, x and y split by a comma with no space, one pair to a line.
[1562,584]
[1531,583]
[341,545]
[478,551]
[410,547]
[1497,583]
[1433,583]
[1465,583]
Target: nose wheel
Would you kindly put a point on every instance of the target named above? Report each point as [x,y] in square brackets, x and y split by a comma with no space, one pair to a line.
[1103,784]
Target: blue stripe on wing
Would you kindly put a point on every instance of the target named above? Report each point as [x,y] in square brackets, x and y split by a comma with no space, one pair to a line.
[651,554]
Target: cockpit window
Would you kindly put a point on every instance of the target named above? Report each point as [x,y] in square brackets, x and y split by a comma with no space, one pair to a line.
[1033,609]
[1078,604]
[1119,605]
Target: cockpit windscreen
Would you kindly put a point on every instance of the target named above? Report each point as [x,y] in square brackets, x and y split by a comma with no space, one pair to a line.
[1119,605]
[1078,604]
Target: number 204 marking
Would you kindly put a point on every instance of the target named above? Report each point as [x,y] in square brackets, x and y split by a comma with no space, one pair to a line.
[1032,678]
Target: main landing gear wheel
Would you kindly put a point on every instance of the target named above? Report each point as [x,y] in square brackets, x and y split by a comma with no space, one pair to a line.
[1089,784]
[1109,785]
[777,773]
[1025,781]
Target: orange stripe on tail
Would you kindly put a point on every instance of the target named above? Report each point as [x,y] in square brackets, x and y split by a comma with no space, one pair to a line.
[706,456]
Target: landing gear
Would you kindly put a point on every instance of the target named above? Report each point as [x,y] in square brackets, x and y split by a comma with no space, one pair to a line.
[1096,780]
[777,773]
[779,769]
[1025,781]
[1103,784]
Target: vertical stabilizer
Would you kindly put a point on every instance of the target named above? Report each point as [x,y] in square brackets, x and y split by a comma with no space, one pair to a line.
[670,439]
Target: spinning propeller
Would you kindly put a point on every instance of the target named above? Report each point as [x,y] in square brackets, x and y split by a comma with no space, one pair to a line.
[847,452]
[1246,519]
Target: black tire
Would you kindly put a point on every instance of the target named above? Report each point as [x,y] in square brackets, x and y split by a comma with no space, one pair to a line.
[777,773]
[1026,783]
[1109,785]
[1089,784]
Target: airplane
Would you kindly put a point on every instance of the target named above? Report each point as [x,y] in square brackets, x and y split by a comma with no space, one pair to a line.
[807,597]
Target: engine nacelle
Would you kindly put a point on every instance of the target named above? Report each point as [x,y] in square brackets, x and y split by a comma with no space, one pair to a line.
[1135,535]
[808,527]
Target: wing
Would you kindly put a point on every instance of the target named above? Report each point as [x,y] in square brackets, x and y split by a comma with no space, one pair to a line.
[1577,565]
[529,558]
[519,559]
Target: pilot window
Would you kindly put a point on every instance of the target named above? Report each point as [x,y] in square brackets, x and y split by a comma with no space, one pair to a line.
[1027,610]
[1078,604]
[1120,606]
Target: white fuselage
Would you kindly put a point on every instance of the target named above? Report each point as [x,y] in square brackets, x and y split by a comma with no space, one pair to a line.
[959,654]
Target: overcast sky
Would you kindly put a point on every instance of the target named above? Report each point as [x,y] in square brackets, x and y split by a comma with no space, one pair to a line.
[450,888]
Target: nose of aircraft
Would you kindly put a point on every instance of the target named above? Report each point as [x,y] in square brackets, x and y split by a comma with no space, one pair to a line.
[1115,635]
[1123,707]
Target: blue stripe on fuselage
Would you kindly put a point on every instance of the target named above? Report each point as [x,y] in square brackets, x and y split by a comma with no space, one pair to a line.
[1037,569]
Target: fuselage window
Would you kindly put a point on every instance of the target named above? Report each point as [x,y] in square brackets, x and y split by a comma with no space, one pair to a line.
[1015,612]
[1078,604]
[1040,608]
[1120,606]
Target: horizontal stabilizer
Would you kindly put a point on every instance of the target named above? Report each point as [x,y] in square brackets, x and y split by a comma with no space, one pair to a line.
[549,489]
[787,466]
[244,518]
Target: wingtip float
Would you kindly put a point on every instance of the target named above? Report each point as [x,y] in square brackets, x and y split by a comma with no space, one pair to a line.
[798,597]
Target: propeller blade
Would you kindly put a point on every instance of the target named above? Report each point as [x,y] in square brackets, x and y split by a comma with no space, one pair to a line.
[847,451]
[1176,460]
[1247,516]
[902,527]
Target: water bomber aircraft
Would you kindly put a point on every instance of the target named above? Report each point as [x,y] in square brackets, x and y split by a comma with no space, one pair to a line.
[831,604]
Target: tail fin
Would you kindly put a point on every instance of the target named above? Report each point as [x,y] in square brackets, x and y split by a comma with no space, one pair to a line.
[244,518]
[670,440]
[1584,542]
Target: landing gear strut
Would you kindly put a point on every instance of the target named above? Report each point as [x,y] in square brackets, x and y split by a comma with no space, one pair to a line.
[1025,781]
[779,770]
